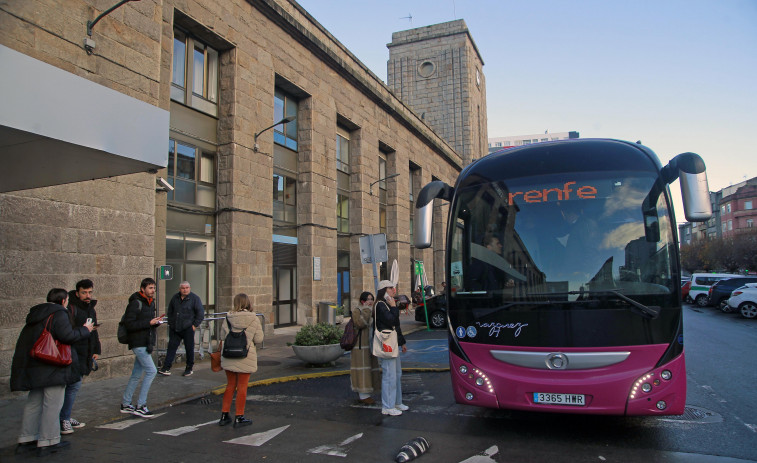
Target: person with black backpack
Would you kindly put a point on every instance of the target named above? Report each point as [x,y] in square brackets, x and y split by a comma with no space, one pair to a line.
[240,332]
[364,367]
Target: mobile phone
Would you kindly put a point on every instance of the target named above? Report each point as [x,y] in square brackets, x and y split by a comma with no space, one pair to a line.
[89,320]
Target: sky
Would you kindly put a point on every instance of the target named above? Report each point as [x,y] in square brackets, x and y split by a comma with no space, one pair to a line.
[679,75]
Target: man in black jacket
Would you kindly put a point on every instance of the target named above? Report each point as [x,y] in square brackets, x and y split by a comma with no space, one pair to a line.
[141,320]
[81,307]
[185,313]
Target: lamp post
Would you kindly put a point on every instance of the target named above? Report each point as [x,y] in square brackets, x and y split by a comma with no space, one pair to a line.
[286,120]
[370,187]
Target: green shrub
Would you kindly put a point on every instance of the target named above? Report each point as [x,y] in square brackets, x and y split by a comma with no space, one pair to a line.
[318,335]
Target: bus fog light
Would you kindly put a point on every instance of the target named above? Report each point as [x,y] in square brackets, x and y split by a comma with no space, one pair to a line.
[469,395]
[479,381]
[661,405]
[463,369]
[646,387]
[666,375]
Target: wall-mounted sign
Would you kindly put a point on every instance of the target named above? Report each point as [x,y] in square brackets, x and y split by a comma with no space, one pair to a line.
[316,269]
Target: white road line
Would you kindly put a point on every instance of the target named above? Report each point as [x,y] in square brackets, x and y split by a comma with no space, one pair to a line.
[483,457]
[121,425]
[184,429]
[337,450]
[257,439]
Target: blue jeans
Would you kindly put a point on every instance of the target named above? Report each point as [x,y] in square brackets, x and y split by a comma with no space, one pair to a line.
[142,364]
[174,339]
[391,382]
[68,401]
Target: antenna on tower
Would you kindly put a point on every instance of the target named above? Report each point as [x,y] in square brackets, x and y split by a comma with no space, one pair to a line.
[409,17]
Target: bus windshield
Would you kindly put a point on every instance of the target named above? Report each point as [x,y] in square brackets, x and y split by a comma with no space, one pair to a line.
[568,237]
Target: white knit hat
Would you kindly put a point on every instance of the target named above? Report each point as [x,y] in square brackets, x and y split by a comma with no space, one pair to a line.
[385,284]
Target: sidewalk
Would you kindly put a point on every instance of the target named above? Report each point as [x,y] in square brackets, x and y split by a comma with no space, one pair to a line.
[98,401]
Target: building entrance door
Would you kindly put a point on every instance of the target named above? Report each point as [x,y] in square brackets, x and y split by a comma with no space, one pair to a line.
[285,295]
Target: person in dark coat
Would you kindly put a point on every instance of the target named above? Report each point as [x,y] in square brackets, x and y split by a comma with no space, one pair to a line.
[140,320]
[185,313]
[387,316]
[45,382]
[81,307]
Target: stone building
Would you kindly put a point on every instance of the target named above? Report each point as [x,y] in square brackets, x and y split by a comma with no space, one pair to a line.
[275,212]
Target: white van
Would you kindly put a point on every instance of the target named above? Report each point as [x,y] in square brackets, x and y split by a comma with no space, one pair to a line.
[700,286]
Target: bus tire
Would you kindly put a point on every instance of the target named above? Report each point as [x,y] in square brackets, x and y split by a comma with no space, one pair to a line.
[702,300]
[748,309]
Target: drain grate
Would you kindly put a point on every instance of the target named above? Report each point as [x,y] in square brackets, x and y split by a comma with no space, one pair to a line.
[693,414]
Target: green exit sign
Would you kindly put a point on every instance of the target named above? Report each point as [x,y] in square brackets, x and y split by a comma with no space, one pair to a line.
[166,272]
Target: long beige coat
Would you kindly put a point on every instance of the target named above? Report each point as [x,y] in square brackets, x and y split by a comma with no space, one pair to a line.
[254,332]
[365,374]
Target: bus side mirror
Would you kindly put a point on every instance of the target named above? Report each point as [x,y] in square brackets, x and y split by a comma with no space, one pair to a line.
[424,211]
[695,192]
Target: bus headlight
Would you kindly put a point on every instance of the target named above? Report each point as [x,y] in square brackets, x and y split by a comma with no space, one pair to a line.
[646,387]
[469,395]
[463,369]
[666,375]
[661,405]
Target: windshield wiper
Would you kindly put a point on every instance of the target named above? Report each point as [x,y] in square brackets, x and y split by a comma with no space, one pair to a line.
[651,312]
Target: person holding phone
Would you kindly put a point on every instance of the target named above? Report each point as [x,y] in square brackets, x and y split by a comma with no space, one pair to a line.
[81,310]
[388,318]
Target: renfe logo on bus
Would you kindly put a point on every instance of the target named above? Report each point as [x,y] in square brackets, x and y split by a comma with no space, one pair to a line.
[542,196]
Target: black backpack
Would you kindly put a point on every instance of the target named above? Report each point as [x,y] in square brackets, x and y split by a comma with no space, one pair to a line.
[122,334]
[235,344]
[350,336]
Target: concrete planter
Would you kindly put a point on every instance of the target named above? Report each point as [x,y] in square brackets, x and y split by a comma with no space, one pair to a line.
[318,355]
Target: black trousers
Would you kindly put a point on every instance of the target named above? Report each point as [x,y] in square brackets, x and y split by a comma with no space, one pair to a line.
[174,339]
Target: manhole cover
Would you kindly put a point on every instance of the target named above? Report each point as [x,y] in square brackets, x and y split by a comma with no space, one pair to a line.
[693,414]
[268,363]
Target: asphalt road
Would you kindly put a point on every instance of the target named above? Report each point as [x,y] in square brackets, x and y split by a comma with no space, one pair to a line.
[319,419]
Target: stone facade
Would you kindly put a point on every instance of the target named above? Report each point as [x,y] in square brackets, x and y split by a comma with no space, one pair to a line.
[114,230]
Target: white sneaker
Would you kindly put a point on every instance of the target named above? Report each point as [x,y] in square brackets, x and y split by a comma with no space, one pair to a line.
[391,411]
[402,407]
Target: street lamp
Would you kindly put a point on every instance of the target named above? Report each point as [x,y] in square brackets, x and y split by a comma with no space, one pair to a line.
[370,187]
[286,120]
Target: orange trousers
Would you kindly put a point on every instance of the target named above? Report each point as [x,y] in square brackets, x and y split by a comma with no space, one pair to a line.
[238,382]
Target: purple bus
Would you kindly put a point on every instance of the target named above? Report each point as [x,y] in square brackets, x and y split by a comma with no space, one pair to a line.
[564,277]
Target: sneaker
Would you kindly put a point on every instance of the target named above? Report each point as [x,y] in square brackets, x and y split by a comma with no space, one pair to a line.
[391,411]
[187,373]
[164,371]
[65,427]
[144,412]
[127,409]
[76,424]
[402,407]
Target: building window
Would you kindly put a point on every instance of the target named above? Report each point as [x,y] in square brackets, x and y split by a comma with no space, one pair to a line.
[728,208]
[749,223]
[730,225]
[723,226]
[284,199]
[284,105]
[382,194]
[748,205]
[193,260]
[191,171]
[196,63]
[343,213]
[343,152]
[722,210]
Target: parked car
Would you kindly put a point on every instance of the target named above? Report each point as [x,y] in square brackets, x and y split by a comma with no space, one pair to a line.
[437,311]
[745,300]
[700,286]
[685,288]
[721,291]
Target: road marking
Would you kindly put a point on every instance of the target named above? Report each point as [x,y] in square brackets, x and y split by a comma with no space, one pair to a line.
[752,427]
[121,425]
[257,439]
[184,429]
[714,394]
[483,457]
[337,450]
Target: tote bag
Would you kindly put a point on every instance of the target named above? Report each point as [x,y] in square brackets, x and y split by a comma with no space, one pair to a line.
[384,342]
[49,350]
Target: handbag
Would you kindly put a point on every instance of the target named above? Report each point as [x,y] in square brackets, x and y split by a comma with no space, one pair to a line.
[384,342]
[49,350]
[215,361]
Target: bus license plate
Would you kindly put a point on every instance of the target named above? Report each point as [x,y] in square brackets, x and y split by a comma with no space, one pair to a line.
[559,399]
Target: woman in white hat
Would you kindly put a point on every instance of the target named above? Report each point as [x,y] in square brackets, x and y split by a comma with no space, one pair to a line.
[387,318]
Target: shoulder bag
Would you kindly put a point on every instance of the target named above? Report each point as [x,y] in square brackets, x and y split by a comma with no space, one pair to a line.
[49,350]
[384,341]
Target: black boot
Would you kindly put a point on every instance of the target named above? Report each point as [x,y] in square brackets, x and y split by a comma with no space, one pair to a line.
[225,419]
[240,421]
